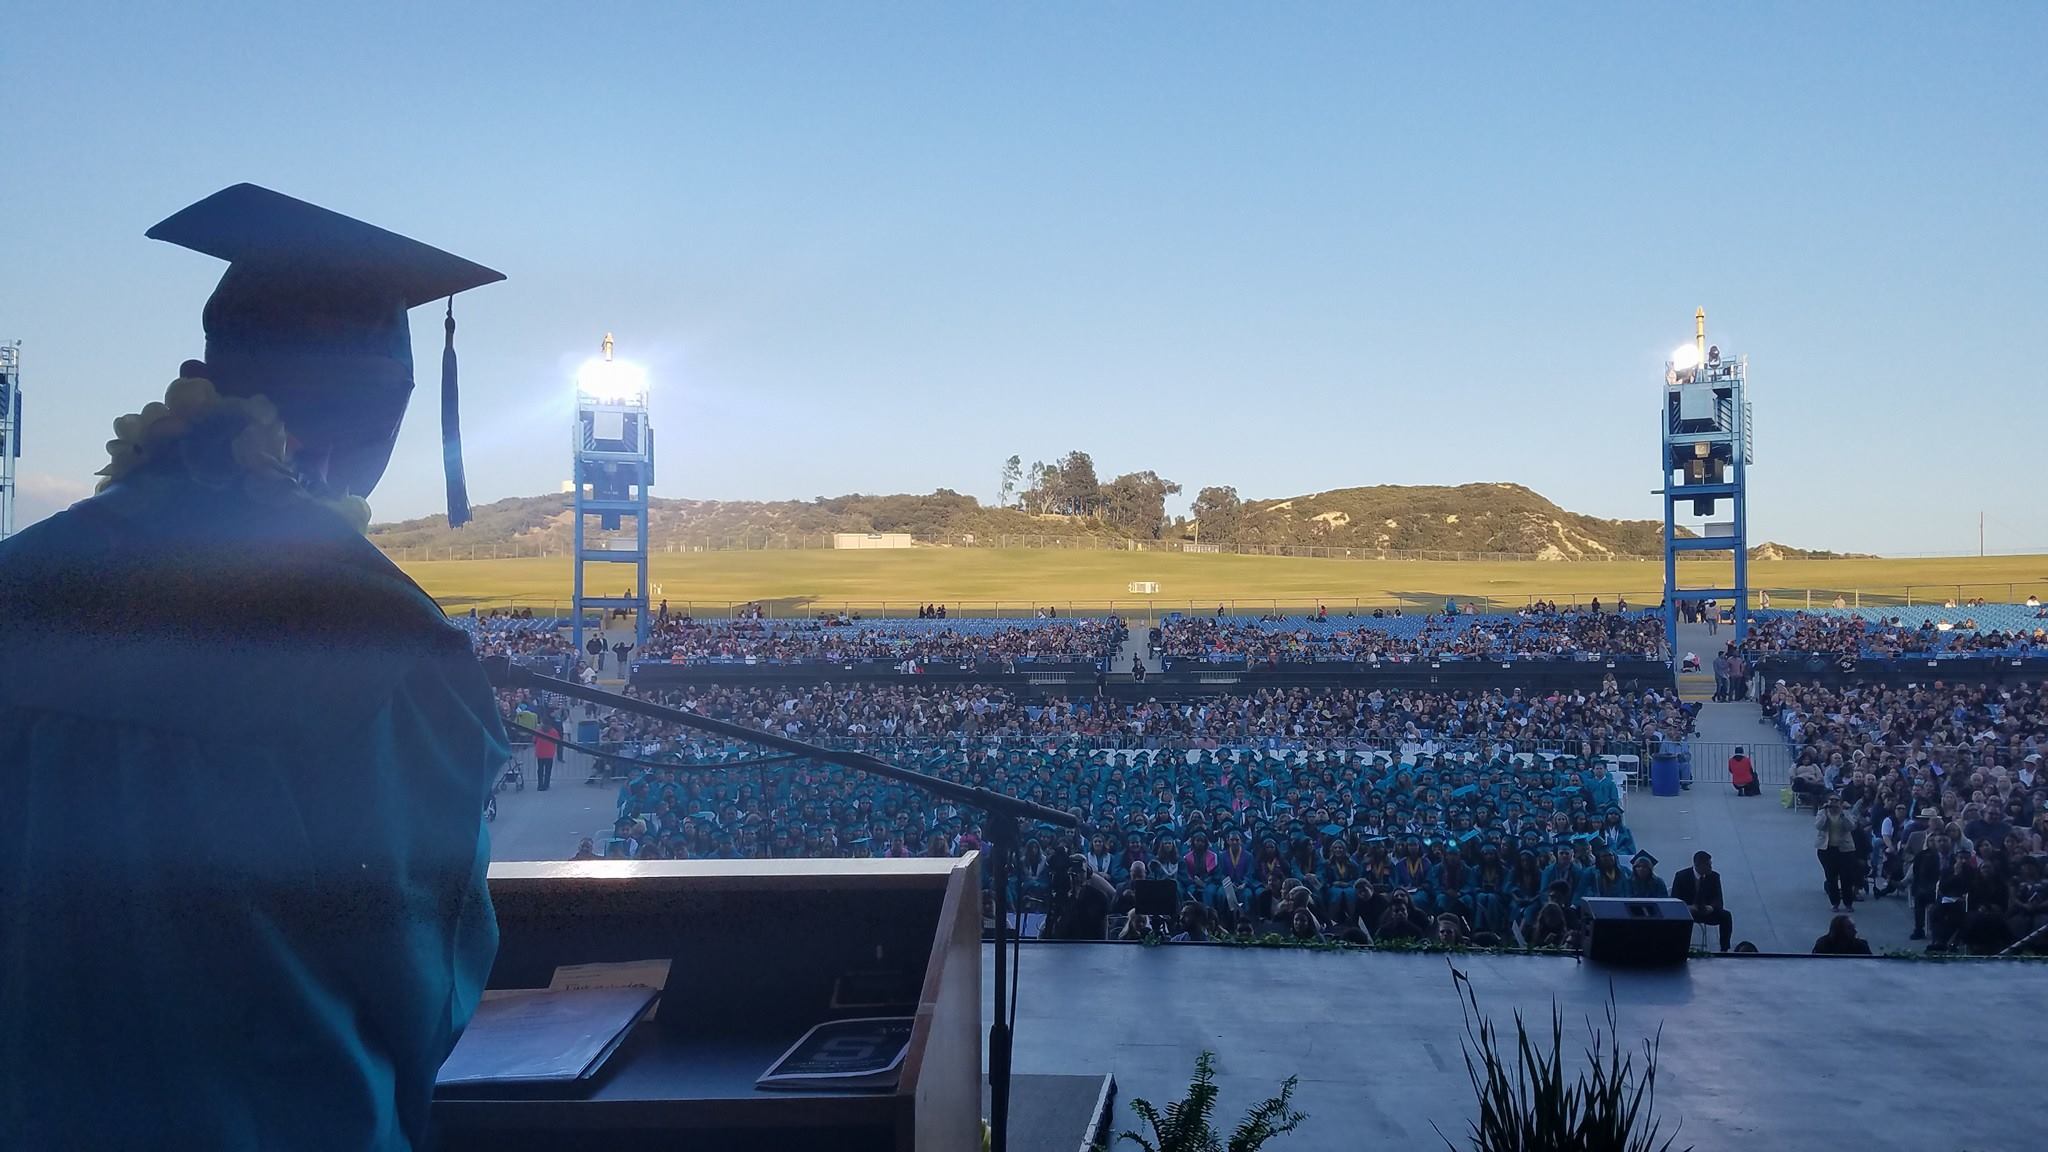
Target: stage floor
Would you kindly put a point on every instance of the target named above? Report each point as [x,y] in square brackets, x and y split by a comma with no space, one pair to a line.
[1807,1053]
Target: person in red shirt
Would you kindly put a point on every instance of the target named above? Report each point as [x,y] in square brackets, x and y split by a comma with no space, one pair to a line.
[544,749]
[1743,774]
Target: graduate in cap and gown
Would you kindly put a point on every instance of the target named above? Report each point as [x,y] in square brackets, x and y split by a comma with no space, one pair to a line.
[242,861]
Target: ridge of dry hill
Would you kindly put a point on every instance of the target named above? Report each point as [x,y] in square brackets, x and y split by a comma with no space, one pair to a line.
[1505,518]
[544,522]
[1497,518]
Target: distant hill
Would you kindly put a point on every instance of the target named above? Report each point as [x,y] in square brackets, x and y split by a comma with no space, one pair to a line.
[1468,518]
[1499,518]
[544,522]
[1776,551]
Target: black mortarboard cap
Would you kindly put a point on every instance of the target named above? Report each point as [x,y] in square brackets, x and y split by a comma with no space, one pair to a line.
[308,284]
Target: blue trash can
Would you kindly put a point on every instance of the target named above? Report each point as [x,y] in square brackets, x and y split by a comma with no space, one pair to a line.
[1664,774]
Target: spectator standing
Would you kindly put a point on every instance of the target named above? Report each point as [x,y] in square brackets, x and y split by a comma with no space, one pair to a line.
[1700,887]
[1952,901]
[622,649]
[1834,841]
[545,749]
[595,646]
[1928,867]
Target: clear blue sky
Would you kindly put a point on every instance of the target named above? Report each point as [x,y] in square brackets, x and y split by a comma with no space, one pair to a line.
[880,247]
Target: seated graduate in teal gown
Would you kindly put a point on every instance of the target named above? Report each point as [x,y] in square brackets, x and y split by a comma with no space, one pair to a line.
[244,758]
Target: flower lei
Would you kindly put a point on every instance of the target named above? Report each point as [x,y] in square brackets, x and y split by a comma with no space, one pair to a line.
[194,415]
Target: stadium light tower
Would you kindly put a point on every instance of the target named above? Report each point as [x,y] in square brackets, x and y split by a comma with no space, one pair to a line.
[10,431]
[612,467]
[1707,450]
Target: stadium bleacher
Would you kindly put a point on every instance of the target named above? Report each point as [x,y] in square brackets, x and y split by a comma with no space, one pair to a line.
[1538,635]
[1985,631]
[838,640]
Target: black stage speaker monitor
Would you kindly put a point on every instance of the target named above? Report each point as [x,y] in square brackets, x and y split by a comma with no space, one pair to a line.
[1637,933]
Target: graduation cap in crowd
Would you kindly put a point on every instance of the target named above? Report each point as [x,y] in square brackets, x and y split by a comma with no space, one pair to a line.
[1645,857]
[1333,829]
[311,313]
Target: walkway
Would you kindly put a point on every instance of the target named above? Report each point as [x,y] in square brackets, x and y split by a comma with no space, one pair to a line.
[536,825]
[1763,850]
[1135,646]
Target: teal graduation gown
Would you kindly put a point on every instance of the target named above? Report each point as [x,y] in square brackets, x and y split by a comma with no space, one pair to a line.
[242,856]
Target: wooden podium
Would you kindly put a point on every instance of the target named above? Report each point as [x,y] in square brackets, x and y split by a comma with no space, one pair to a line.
[757,947]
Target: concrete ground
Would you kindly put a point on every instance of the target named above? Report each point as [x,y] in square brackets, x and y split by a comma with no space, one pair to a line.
[535,825]
[1817,1054]
[1763,850]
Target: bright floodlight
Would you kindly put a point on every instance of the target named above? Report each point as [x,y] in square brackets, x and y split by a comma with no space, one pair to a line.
[611,379]
[1687,356]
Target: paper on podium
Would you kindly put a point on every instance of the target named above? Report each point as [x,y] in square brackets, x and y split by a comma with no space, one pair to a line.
[543,1036]
[626,974]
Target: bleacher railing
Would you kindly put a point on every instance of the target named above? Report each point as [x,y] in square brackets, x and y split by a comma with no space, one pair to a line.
[1929,598]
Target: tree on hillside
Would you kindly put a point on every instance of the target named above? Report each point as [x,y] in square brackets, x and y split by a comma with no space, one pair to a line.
[1135,503]
[1013,471]
[1218,513]
[1041,492]
[1076,491]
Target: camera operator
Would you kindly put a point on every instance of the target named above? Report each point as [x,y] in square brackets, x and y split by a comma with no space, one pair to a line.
[1081,899]
[1556,923]
[1194,925]
[1270,910]
[1402,920]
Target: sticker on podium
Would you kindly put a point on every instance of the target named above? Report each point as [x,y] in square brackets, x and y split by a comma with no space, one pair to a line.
[842,1055]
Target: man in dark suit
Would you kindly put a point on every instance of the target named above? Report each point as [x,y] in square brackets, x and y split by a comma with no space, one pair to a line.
[1700,887]
[1928,867]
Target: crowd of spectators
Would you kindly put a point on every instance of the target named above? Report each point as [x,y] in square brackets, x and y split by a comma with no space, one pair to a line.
[517,633]
[1934,793]
[844,640]
[1256,807]
[1844,634]
[1539,632]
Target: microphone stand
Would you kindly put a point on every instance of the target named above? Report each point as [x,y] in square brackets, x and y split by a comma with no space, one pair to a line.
[1002,827]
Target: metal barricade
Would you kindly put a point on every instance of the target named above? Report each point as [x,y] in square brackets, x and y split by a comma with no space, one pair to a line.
[1771,758]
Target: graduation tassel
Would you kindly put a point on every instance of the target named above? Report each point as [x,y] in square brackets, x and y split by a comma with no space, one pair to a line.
[451,428]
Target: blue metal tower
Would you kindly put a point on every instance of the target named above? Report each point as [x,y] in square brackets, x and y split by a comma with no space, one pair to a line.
[612,467]
[1707,452]
[10,431]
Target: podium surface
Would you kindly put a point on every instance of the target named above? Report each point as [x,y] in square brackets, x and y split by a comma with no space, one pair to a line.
[756,950]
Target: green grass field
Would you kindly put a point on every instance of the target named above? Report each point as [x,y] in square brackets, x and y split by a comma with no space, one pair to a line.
[1008,582]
